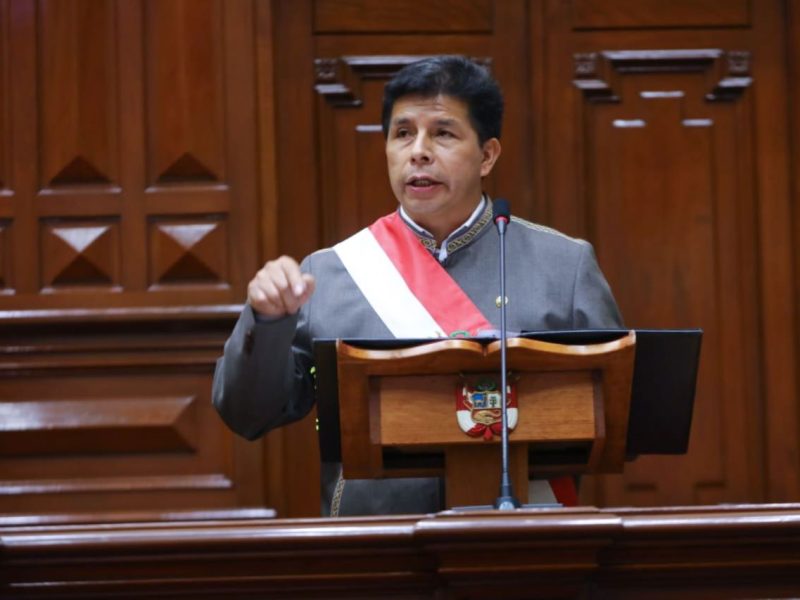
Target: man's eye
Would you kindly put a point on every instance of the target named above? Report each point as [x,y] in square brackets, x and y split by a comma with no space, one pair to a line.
[401,133]
[445,133]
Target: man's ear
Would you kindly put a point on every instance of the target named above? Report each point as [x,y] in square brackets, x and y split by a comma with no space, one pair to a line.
[491,152]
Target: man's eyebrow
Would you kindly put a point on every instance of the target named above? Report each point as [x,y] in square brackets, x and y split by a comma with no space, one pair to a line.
[440,122]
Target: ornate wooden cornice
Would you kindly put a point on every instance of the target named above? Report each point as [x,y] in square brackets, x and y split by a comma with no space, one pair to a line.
[338,80]
[728,71]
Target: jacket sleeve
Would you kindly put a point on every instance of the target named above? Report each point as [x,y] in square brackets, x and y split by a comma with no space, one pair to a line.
[263,379]
[593,304]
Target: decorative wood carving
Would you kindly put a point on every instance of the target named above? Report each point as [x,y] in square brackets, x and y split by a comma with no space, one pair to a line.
[596,73]
[80,254]
[188,252]
[339,80]
[122,114]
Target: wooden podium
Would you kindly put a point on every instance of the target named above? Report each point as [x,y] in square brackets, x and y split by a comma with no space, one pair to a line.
[397,412]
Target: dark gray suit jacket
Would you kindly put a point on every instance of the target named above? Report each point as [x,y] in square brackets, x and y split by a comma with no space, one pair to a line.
[263,379]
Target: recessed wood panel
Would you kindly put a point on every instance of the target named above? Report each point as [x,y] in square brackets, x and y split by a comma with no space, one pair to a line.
[184,251]
[665,166]
[403,16]
[78,92]
[102,437]
[78,254]
[644,14]
[97,426]
[4,95]
[184,91]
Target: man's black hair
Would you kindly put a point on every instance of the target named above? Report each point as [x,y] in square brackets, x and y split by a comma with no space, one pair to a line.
[453,76]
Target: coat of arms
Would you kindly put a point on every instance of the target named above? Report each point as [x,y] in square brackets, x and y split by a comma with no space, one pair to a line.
[479,409]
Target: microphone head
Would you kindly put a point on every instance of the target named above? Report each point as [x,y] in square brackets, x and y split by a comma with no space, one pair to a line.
[501,211]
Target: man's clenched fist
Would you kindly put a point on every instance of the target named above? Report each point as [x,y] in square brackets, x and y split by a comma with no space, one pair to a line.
[279,288]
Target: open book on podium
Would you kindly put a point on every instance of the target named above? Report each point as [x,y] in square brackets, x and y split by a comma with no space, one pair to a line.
[581,401]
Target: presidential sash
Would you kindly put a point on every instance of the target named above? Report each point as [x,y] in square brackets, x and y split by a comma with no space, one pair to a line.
[406,286]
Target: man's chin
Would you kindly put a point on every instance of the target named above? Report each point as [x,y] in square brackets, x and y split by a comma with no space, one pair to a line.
[418,207]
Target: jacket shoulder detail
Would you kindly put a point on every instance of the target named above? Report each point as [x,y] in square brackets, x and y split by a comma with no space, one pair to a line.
[548,230]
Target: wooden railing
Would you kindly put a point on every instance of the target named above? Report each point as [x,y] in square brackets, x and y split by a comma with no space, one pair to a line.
[745,551]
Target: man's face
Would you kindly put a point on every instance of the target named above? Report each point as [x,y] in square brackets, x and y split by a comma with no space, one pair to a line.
[435,162]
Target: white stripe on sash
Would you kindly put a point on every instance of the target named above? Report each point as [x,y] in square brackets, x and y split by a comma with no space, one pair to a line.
[384,288]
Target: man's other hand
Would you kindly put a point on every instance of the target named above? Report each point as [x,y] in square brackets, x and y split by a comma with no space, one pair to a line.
[279,288]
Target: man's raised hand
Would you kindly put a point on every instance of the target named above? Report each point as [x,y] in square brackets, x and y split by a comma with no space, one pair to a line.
[279,288]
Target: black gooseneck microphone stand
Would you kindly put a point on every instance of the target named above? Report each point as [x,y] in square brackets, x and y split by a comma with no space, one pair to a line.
[506,500]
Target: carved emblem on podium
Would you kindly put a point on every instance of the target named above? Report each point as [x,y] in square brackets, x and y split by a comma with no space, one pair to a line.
[478,408]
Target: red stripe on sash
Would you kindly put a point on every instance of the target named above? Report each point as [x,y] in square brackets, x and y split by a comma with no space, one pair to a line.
[564,490]
[441,296]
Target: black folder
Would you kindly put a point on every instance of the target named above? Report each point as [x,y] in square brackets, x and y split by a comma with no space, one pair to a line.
[662,394]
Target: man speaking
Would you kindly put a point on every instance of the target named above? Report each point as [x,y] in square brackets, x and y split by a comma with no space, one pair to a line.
[427,270]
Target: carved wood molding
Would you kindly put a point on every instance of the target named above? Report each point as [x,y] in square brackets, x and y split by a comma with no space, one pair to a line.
[596,73]
[339,80]
[152,339]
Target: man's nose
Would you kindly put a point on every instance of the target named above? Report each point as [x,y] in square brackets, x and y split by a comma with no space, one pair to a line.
[421,150]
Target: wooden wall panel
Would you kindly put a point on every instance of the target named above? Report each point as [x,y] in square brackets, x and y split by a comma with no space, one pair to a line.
[378,16]
[662,128]
[788,414]
[662,164]
[78,92]
[4,101]
[779,393]
[113,421]
[643,14]
[183,49]
[128,197]
[154,152]
[136,112]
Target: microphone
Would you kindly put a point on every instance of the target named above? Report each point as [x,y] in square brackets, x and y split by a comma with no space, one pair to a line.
[506,500]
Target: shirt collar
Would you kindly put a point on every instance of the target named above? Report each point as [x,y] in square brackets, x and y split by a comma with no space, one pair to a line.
[460,235]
